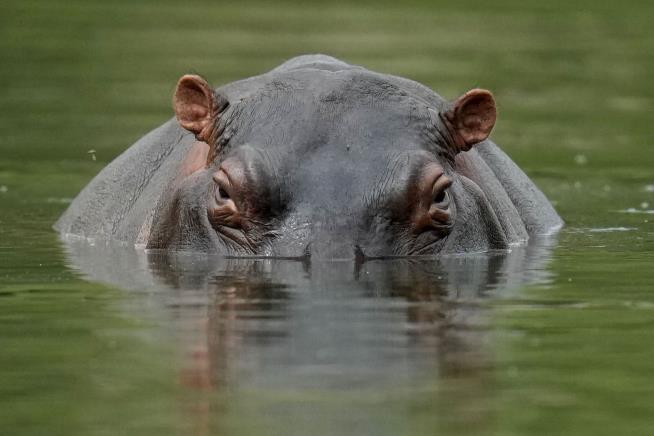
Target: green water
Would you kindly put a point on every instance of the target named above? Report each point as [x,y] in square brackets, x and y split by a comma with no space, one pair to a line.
[562,344]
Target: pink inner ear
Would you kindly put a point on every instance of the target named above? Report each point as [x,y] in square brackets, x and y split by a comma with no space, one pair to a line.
[474,116]
[193,103]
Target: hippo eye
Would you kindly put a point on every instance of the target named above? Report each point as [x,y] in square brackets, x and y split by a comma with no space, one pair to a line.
[222,194]
[439,210]
[223,211]
[440,197]
[441,200]
[222,184]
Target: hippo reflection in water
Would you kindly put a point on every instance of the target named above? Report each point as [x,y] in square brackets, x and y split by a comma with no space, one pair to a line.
[253,324]
[316,159]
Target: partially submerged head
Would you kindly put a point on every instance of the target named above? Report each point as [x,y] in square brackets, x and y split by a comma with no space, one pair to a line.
[330,165]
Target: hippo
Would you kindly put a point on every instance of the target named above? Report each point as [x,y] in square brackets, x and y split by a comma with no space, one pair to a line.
[315,159]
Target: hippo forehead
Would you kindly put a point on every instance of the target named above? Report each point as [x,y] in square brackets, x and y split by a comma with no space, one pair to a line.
[322,107]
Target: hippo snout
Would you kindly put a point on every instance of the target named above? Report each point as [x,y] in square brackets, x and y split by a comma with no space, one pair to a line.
[334,250]
[316,238]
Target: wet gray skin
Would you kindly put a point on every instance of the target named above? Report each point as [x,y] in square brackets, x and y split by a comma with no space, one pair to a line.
[316,159]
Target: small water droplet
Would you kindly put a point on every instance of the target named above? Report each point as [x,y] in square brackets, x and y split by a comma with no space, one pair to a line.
[644,205]
[581,159]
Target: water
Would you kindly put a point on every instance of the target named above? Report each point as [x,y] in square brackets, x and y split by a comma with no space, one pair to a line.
[552,338]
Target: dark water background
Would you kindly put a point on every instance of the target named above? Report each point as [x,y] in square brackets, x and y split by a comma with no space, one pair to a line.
[553,338]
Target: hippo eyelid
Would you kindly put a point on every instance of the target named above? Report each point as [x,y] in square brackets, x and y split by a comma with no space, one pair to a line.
[222,178]
[441,183]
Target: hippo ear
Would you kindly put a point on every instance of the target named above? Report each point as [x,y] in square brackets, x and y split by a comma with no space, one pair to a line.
[197,107]
[471,118]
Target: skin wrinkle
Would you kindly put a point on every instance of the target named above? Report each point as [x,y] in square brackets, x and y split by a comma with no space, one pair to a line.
[426,248]
[382,187]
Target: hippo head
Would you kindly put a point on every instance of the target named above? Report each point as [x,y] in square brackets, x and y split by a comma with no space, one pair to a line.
[326,164]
